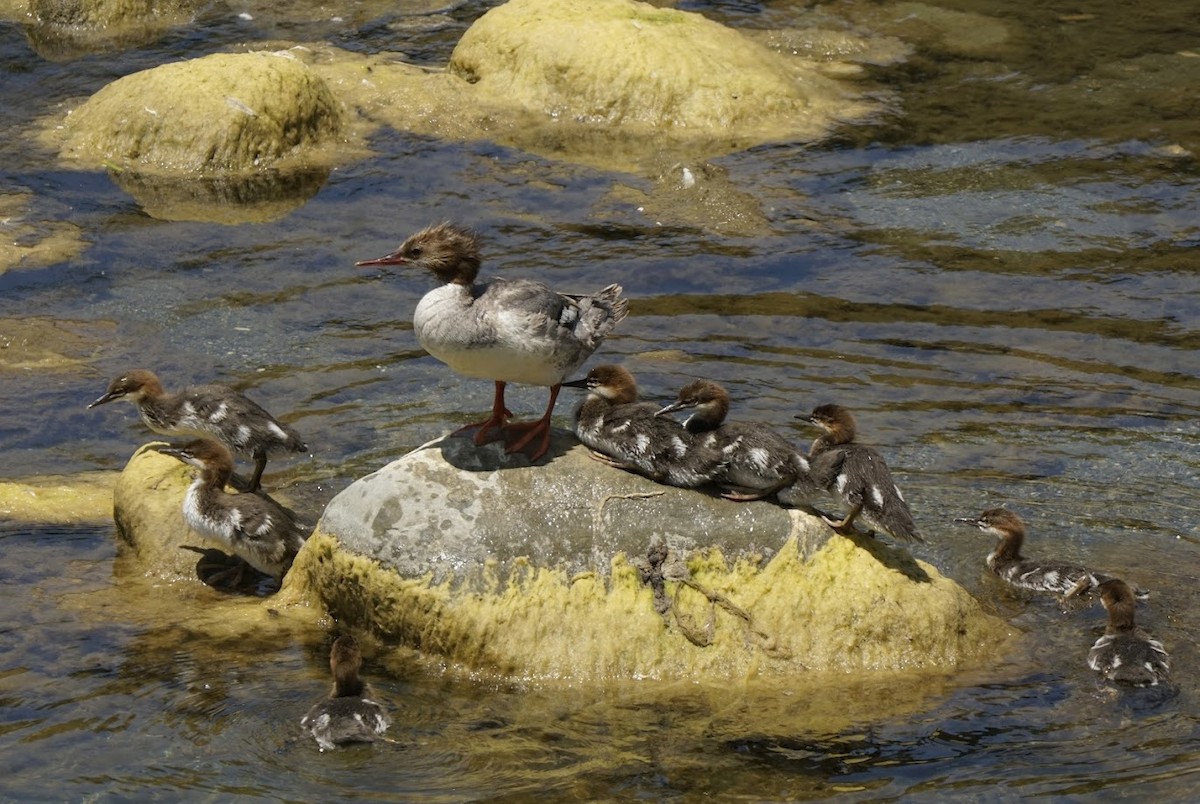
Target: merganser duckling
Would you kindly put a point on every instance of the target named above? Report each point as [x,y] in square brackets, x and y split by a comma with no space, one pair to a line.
[759,461]
[858,475]
[206,411]
[1126,654]
[505,330]
[1006,560]
[253,526]
[348,715]
[627,434]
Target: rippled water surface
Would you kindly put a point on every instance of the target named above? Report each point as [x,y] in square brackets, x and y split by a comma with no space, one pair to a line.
[1000,275]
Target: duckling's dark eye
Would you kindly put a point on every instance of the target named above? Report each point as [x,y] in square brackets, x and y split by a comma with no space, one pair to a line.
[415,251]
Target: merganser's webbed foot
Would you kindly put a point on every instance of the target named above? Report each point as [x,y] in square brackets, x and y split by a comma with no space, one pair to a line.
[748,495]
[541,427]
[846,523]
[229,579]
[1084,584]
[607,460]
[527,434]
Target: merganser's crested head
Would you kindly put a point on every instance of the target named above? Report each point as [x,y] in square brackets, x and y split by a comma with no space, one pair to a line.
[132,385]
[345,660]
[837,422]
[706,396]
[999,522]
[611,382]
[1118,600]
[203,453]
[450,252]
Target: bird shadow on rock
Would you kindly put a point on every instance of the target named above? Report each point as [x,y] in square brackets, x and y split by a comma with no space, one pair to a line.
[894,558]
[460,451]
[230,574]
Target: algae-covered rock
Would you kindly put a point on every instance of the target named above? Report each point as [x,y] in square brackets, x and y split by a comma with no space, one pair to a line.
[148,510]
[66,29]
[81,499]
[575,570]
[678,74]
[225,113]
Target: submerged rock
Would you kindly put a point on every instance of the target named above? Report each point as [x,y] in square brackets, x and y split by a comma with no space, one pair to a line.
[82,499]
[67,29]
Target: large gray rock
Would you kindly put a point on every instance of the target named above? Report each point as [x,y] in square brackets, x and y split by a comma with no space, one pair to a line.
[558,571]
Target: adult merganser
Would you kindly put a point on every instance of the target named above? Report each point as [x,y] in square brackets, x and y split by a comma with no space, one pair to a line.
[1040,576]
[858,475]
[1126,654]
[759,461]
[348,715]
[206,411]
[627,434]
[505,330]
[256,528]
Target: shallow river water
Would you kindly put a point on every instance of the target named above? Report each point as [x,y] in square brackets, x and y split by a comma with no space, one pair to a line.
[1001,275]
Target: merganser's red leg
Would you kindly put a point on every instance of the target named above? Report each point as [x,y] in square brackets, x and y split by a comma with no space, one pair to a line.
[534,429]
[500,416]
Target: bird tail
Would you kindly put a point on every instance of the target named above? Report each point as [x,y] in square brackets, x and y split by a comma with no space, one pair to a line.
[598,314]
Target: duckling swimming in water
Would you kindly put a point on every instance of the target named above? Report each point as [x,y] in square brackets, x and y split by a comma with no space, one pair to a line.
[1126,654]
[627,434]
[759,461]
[858,475]
[349,715]
[1041,576]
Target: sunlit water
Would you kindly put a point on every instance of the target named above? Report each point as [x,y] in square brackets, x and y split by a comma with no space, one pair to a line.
[1001,279]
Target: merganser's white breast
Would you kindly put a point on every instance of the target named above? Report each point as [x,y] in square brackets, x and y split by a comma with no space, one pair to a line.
[509,330]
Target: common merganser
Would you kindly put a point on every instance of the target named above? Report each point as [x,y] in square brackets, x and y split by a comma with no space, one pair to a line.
[206,411]
[627,434]
[256,528]
[1126,654]
[505,330]
[759,461]
[349,715]
[858,475]
[1041,576]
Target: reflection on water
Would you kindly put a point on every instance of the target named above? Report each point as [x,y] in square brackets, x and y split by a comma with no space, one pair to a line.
[1001,282]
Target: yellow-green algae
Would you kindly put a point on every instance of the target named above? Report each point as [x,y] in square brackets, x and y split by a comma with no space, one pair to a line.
[82,499]
[844,610]
[228,112]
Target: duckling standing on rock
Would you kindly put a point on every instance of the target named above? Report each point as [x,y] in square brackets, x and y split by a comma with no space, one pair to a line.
[858,475]
[206,411]
[1040,576]
[1126,654]
[628,434]
[253,526]
[760,462]
[348,715]
[505,330]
